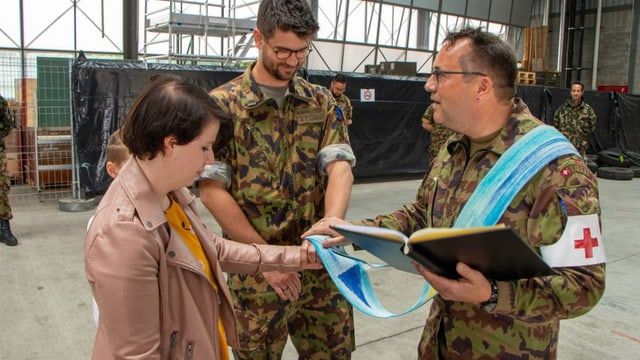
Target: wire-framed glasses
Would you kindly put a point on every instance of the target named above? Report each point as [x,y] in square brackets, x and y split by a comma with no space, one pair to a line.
[284,53]
[437,73]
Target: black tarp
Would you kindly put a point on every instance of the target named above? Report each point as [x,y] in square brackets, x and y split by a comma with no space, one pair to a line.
[102,94]
[626,126]
[386,135]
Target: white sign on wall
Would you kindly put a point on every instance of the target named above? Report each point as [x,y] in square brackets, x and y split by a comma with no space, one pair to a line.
[367,95]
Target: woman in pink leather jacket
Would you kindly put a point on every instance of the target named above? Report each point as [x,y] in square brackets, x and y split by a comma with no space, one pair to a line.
[155,270]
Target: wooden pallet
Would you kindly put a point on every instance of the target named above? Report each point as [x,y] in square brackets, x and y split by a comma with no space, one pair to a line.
[548,78]
[526,78]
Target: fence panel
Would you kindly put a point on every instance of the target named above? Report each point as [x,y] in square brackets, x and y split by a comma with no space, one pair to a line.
[39,150]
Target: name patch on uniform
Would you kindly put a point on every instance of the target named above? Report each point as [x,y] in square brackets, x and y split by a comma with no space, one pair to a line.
[309,116]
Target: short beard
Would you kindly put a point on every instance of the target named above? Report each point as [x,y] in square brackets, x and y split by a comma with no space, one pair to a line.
[272,69]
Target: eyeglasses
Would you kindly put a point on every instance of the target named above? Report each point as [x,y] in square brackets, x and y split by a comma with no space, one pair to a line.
[283,53]
[339,89]
[438,73]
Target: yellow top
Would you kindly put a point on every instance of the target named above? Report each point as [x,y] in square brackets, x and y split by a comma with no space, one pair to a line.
[181,224]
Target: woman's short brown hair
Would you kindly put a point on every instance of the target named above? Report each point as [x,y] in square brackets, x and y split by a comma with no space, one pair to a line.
[171,106]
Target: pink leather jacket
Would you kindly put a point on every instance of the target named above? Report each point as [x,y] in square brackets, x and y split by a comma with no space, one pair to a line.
[155,301]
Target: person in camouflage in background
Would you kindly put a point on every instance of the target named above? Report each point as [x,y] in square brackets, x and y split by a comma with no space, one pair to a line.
[472,87]
[439,133]
[6,125]
[287,167]
[575,119]
[338,87]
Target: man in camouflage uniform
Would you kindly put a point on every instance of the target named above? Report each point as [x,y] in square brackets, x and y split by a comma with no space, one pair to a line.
[473,88]
[6,125]
[343,104]
[439,133]
[575,119]
[287,166]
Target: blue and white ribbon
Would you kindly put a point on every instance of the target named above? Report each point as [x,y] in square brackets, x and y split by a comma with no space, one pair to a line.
[512,171]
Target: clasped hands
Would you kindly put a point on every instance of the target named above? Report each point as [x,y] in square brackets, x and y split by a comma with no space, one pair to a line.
[471,287]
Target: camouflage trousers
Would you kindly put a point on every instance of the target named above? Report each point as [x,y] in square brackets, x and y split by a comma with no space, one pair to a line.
[320,322]
[5,186]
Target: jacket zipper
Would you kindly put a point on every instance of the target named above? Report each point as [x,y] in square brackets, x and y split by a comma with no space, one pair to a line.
[172,344]
[216,291]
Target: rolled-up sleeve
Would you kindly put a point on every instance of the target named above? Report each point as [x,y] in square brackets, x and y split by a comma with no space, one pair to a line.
[219,172]
[335,152]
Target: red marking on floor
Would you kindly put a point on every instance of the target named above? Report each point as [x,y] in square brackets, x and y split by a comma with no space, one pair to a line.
[632,338]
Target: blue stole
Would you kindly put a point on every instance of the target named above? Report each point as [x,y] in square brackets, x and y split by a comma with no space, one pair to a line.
[513,170]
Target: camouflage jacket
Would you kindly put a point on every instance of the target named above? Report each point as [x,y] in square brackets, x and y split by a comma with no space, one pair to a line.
[6,120]
[275,162]
[439,134]
[345,105]
[525,322]
[577,123]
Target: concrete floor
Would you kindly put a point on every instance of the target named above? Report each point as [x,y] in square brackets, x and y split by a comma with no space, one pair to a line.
[45,302]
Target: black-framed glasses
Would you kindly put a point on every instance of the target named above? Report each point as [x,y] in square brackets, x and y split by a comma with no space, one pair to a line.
[284,53]
[437,73]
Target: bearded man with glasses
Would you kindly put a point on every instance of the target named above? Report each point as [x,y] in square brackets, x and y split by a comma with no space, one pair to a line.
[287,166]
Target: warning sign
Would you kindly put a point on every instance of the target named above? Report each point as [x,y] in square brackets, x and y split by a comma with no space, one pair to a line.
[367,95]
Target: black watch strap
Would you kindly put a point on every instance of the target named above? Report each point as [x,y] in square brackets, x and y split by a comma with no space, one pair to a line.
[490,304]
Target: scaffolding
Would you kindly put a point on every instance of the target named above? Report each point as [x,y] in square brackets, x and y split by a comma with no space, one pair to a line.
[198,31]
[355,34]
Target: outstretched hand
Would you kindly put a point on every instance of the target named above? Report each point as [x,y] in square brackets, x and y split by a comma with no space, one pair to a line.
[309,257]
[323,227]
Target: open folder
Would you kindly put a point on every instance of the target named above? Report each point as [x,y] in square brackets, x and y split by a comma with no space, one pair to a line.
[496,251]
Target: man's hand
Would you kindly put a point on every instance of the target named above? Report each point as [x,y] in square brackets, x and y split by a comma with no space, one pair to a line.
[472,287]
[287,285]
[323,227]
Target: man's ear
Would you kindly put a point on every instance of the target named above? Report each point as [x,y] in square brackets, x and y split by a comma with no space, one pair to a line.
[258,38]
[485,86]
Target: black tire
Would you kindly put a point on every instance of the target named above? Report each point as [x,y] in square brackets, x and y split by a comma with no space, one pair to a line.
[636,171]
[593,166]
[592,157]
[615,173]
[634,157]
[613,157]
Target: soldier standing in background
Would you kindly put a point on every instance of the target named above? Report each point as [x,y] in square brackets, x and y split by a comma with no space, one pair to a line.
[343,104]
[439,133]
[6,125]
[575,119]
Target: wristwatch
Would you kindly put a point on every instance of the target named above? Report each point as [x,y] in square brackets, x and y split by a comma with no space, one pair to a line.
[490,304]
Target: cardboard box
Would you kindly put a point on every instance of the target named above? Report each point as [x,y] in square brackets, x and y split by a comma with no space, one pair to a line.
[13,165]
[28,114]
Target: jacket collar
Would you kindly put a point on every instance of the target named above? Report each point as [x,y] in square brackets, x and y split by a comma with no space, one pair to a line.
[138,188]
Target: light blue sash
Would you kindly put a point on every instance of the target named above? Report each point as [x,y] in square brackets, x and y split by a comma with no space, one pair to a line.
[512,171]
